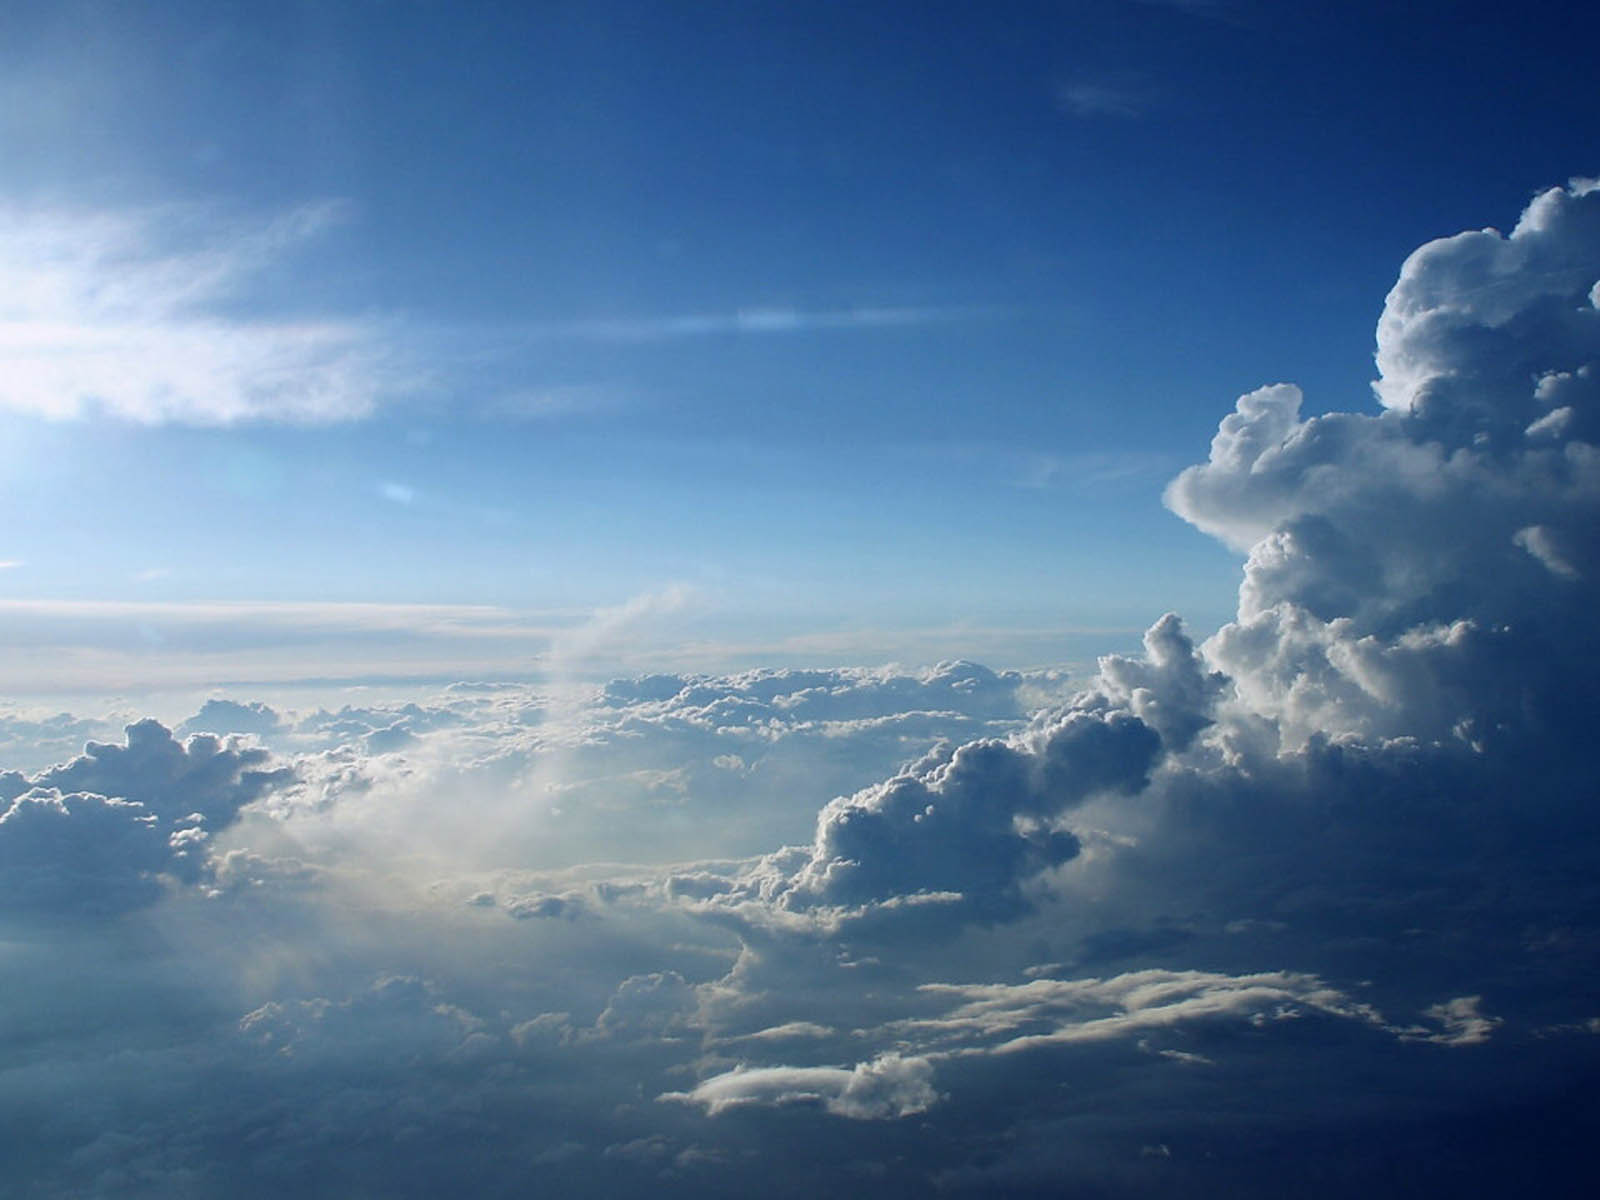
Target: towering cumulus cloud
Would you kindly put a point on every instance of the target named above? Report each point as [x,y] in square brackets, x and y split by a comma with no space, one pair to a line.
[1429,571]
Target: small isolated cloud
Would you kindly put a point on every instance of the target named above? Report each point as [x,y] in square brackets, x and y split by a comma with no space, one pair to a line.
[1462,1022]
[135,315]
[883,1089]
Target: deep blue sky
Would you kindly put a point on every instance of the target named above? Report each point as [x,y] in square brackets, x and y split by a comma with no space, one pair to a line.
[846,316]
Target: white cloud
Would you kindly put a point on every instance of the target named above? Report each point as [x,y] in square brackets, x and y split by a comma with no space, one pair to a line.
[1012,1018]
[886,1087]
[135,315]
[753,321]
[103,646]
[93,834]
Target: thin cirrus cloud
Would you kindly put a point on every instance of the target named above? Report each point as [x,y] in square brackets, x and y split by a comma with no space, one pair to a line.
[125,314]
[79,644]
[135,315]
[755,321]
[1103,98]
[95,644]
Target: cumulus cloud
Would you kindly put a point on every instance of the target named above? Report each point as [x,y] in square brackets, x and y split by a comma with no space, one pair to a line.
[79,853]
[31,738]
[973,822]
[396,1011]
[229,716]
[657,768]
[1487,333]
[1426,571]
[128,314]
[203,774]
[94,834]
[962,831]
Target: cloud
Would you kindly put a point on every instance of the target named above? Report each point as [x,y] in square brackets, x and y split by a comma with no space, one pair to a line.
[960,833]
[559,402]
[1485,333]
[135,316]
[49,645]
[212,776]
[79,853]
[1104,98]
[229,716]
[884,1088]
[395,1010]
[1013,1018]
[656,768]
[749,321]
[973,822]
[1394,560]
[34,738]
[93,834]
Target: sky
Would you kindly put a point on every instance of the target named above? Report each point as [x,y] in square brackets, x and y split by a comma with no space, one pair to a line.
[778,309]
[887,599]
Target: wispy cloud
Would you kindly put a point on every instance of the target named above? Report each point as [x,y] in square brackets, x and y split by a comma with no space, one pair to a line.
[558,402]
[1104,97]
[99,645]
[128,314]
[309,616]
[1092,471]
[770,320]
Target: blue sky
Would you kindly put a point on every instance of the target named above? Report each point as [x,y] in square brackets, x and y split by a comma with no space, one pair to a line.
[846,317]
